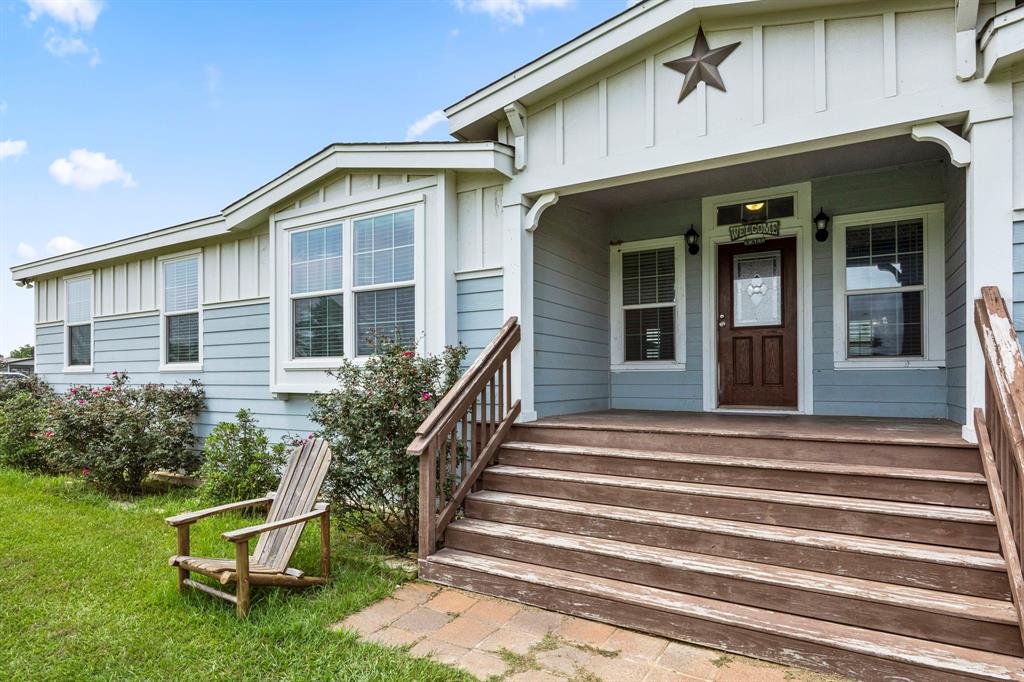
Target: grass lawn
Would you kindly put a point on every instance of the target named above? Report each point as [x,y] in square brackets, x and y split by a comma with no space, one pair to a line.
[86,593]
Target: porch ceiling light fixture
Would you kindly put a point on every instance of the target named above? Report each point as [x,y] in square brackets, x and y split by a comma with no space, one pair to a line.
[692,241]
[821,222]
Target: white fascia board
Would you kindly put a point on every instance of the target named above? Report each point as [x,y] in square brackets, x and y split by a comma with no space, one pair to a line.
[123,248]
[598,43]
[1002,42]
[458,156]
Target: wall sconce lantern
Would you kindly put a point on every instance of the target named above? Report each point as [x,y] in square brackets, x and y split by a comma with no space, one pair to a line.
[692,241]
[821,222]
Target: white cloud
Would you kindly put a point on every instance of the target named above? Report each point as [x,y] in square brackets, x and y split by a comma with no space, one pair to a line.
[78,15]
[510,11]
[88,170]
[421,126]
[3,107]
[13,148]
[62,244]
[26,251]
[454,33]
[212,74]
[59,46]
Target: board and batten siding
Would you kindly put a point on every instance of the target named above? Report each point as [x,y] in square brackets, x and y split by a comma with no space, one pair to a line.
[570,309]
[236,357]
[1018,277]
[234,269]
[919,393]
[664,390]
[480,308]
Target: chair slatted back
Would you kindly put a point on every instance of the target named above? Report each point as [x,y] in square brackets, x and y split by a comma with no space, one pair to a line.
[300,485]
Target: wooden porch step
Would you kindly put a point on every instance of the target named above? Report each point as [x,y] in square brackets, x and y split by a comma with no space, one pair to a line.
[930,486]
[888,450]
[941,616]
[853,651]
[929,524]
[935,567]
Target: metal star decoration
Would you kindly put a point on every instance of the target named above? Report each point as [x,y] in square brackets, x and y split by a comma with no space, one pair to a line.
[701,65]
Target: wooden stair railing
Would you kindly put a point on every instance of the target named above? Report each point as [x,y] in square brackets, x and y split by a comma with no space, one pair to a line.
[1000,431]
[459,438]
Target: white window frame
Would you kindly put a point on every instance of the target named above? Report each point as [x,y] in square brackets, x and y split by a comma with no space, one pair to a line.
[933,308]
[193,254]
[349,290]
[618,310]
[80,369]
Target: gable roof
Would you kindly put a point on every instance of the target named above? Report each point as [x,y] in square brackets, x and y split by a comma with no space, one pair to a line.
[643,24]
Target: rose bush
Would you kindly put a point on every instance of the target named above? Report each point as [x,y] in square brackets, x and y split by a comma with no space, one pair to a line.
[240,463]
[118,434]
[23,407]
[369,420]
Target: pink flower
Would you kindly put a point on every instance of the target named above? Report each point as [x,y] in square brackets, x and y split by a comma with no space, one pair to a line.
[106,388]
[74,390]
[113,374]
[426,395]
[49,434]
[309,437]
[85,472]
[408,354]
[95,391]
[81,402]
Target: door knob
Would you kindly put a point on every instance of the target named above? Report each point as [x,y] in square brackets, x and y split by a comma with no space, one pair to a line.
[721,320]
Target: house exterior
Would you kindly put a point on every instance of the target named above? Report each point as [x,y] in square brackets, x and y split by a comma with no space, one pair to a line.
[713,211]
[890,118]
[19,365]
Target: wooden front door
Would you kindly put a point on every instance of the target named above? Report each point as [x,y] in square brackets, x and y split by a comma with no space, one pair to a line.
[756,318]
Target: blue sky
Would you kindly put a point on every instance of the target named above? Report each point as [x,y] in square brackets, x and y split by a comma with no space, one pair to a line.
[123,117]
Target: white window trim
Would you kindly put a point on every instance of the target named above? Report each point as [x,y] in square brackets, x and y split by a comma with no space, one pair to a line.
[349,289]
[80,369]
[193,254]
[618,350]
[934,305]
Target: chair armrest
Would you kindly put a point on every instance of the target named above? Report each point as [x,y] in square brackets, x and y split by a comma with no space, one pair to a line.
[243,534]
[191,517]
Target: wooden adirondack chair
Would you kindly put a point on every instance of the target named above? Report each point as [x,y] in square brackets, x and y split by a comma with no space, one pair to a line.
[291,507]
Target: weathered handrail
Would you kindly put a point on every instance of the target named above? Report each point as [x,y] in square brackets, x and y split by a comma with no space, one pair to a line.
[460,436]
[1000,431]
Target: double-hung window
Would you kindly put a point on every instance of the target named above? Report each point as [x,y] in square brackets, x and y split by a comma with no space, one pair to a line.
[180,312]
[350,284]
[78,323]
[647,293]
[317,297]
[889,288]
[383,280]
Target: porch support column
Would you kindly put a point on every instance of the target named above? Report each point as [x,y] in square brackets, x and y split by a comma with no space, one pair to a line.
[518,296]
[989,239]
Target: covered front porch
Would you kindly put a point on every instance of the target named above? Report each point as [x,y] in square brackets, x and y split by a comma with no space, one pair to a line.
[717,291]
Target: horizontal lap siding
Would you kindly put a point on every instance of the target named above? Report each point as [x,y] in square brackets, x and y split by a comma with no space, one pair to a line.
[236,357]
[480,311]
[879,393]
[571,335]
[957,325]
[659,390]
[1018,277]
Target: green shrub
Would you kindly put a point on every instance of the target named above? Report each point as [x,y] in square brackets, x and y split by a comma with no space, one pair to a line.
[118,434]
[23,407]
[369,420]
[240,463]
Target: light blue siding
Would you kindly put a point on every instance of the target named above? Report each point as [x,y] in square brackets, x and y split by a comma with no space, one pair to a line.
[957,311]
[1018,277]
[893,393]
[480,310]
[236,365]
[660,390]
[571,335]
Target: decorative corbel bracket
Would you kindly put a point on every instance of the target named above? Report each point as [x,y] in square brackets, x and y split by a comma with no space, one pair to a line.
[959,149]
[544,201]
[966,39]
[516,114]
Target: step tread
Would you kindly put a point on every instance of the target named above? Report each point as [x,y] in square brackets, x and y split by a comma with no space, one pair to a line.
[951,556]
[851,504]
[908,650]
[932,601]
[754,462]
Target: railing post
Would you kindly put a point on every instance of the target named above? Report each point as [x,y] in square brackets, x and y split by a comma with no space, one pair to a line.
[427,533]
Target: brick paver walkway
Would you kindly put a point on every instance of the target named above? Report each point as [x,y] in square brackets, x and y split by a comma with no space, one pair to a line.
[494,639]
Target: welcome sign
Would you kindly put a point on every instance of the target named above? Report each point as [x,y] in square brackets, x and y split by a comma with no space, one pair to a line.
[754,233]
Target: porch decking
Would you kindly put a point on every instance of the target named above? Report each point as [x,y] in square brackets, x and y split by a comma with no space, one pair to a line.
[859,546]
